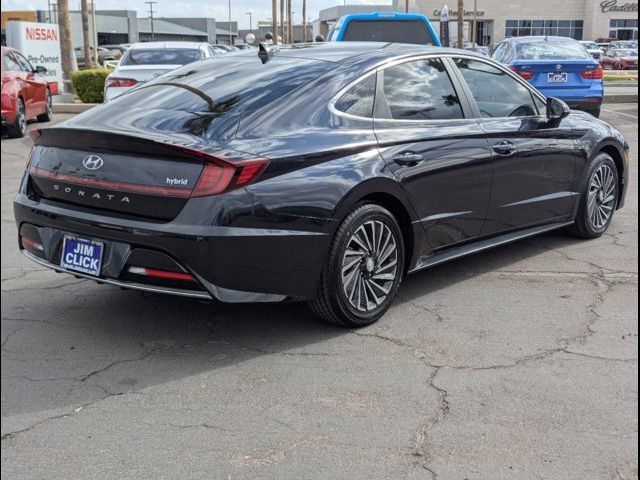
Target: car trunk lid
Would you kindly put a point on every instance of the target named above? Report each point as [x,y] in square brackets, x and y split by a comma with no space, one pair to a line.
[132,175]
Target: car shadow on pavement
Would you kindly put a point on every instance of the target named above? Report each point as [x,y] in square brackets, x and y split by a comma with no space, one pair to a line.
[73,343]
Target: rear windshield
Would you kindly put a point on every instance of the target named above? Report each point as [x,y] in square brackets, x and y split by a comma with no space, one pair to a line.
[591,46]
[547,50]
[161,56]
[392,31]
[224,86]
[627,53]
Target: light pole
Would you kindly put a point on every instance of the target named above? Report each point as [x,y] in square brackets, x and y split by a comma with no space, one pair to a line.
[151,12]
[474,30]
[230,33]
[250,21]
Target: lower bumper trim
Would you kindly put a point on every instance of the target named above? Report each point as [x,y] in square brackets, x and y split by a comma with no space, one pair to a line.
[214,292]
[119,283]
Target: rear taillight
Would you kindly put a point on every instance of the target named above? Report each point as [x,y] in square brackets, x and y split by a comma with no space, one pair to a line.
[120,82]
[595,74]
[220,175]
[523,73]
[31,245]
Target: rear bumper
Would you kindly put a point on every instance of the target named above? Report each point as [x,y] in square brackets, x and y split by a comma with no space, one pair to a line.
[585,105]
[580,99]
[234,265]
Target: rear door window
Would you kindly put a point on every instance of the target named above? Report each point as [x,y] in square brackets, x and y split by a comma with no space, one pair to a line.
[358,100]
[496,93]
[390,31]
[418,90]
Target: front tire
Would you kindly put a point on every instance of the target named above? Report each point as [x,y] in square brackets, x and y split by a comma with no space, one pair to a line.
[18,128]
[364,269]
[599,198]
[48,113]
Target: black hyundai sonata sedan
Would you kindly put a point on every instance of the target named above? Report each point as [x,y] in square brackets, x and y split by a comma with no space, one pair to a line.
[317,172]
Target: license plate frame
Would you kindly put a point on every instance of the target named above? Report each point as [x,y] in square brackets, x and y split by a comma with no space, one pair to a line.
[558,77]
[82,255]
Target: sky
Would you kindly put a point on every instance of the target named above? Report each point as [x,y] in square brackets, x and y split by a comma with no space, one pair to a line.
[219,9]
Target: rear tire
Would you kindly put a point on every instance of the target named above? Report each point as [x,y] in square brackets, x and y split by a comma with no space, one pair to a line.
[598,200]
[596,113]
[48,113]
[18,128]
[364,269]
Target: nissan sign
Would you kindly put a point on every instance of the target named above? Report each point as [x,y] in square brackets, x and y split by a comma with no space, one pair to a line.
[40,43]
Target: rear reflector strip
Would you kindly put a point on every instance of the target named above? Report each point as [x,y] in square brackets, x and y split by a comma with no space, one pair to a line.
[31,244]
[149,272]
[118,186]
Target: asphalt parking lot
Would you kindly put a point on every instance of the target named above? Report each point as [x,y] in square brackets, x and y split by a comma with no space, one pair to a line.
[517,363]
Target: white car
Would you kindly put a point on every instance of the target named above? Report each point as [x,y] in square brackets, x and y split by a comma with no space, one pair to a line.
[146,61]
[593,49]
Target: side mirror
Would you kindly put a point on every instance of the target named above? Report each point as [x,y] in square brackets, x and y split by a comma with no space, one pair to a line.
[40,70]
[557,109]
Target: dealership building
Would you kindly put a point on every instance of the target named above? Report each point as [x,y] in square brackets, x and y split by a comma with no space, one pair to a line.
[499,19]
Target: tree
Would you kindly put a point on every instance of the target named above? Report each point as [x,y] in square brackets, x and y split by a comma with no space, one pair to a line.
[460,23]
[289,21]
[274,20]
[88,54]
[66,46]
[282,32]
[304,21]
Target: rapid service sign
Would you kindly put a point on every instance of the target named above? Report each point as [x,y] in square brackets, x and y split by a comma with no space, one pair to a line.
[40,43]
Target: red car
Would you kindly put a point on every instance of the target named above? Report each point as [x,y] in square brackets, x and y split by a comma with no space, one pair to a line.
[620,59]
[26,94]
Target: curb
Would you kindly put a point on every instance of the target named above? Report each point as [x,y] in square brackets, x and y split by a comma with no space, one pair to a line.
[72,107]
[621,98]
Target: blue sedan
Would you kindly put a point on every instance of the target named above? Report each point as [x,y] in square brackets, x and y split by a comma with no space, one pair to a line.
[558,67]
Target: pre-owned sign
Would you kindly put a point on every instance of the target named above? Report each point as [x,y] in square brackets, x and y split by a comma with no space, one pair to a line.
[40,43]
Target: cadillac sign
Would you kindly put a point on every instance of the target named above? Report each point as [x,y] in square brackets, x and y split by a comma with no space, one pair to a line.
[614,6]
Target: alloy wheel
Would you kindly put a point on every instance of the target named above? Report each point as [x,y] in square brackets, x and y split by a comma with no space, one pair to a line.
[602,198]
[21,119]
[369,266]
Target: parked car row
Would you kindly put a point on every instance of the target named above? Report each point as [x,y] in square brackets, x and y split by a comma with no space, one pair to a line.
[104,55]
[615,55]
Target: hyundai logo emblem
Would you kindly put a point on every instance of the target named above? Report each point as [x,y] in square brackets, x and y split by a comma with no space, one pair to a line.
[92,162]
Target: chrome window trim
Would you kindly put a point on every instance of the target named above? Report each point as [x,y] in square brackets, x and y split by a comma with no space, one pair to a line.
[341,93]
[422,56]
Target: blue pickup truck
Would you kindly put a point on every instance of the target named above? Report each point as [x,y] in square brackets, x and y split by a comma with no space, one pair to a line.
[385,27]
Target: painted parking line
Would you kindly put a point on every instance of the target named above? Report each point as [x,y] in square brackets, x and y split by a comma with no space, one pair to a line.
[620,113]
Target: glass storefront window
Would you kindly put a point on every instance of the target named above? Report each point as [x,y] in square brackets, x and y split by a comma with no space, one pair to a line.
[563,28]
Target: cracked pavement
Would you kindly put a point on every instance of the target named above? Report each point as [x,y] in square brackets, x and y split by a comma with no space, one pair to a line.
[516,363]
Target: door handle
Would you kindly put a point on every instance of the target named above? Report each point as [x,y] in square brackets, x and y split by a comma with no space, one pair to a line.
[505,147]
[408,159]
